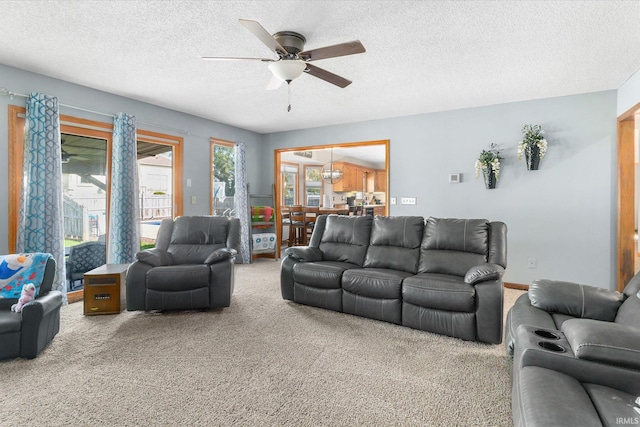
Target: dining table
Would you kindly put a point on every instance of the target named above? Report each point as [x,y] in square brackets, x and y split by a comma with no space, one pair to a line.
[338,211]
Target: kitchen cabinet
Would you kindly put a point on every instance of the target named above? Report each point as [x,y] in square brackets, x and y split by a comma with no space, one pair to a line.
[380,185]
[357,178]
[347,183]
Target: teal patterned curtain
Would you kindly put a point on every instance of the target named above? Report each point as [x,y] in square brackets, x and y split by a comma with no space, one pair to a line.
[241,202]
[124,212]
[41,216]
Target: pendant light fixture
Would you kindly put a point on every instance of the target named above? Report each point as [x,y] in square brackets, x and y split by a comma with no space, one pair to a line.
[330,172]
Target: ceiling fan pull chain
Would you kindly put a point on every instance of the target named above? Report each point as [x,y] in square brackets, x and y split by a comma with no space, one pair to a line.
[289,95]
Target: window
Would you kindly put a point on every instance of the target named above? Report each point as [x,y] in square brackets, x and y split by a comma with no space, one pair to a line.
[85,173]
[159,181]
[289,182]
[84,186]
[223,178]
[312,185]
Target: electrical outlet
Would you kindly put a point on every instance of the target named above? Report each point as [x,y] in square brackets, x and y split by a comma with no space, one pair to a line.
[408,201]
[393,200]
[533,263]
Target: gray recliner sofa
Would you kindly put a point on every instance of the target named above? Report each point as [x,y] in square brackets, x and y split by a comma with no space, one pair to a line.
[442,276]
[191,266]
[576,354]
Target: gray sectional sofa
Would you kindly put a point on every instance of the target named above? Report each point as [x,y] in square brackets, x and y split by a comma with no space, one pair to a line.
[442,275]
[576,355]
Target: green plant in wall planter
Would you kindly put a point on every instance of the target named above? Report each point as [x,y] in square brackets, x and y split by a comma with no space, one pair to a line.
[488,164]
[533,146]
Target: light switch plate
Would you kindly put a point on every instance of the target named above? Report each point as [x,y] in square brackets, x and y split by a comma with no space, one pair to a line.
[408,201]
[193,200]
[393,200]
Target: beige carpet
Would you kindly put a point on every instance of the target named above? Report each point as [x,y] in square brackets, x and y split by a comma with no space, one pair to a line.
[263,361]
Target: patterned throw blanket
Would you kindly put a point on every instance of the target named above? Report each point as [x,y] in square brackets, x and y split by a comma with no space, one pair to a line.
[17,270]
[261,214]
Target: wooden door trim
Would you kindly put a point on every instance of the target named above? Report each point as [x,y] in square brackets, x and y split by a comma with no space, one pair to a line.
[277,176]
[626,198]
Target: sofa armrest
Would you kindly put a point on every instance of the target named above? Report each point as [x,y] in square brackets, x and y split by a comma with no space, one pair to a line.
[155,257]
[220,255]
[604,342]
[40,323]
[304,253]
[575,300]
[483,272]
[33,311]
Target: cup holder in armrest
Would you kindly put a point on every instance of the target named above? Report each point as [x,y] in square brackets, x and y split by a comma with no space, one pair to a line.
[546,334]
[552,346]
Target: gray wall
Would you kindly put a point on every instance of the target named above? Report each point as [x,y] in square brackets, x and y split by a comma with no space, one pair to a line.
[562,215]
[196,141]
[629,93]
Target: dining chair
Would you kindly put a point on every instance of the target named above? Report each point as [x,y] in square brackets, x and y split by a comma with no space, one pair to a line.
[296,225]
[284,222]
[310,216]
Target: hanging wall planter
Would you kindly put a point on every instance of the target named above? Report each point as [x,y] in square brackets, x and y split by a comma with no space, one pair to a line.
[488,164]
[533,145]
[490,178]
[532,157]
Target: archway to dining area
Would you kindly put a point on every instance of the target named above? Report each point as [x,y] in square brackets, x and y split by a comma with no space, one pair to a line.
[344,178]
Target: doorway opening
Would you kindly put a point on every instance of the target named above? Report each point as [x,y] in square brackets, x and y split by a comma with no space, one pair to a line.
[362,167]
[628,158]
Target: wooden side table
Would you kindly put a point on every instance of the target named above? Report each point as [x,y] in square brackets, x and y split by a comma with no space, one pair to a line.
[104,289]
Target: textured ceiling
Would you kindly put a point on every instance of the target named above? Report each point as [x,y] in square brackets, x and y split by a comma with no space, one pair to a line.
[422,56]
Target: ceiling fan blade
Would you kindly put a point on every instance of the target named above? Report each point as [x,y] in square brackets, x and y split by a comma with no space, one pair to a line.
[327,76]
[230,58]
[264,36]
[274,83]
[342,49]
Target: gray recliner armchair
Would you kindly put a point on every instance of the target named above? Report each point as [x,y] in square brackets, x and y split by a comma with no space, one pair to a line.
[191,266]
[27,333]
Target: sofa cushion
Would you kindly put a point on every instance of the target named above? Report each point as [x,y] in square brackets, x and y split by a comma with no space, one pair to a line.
[439,291]
[453,246]
[178,278]
[321,274]
[542,397]
[193,238]
[374,282]
[10,322]
[395,243]
[346,238]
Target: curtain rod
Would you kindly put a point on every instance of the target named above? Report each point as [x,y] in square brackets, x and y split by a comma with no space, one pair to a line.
[6,92]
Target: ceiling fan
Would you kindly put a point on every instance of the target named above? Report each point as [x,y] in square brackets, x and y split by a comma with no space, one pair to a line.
[292,59]
[65,156]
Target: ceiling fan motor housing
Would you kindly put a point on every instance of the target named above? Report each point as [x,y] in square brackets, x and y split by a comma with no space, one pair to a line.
[293,42]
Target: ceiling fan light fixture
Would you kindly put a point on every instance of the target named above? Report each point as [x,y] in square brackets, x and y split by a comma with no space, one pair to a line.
[287,70]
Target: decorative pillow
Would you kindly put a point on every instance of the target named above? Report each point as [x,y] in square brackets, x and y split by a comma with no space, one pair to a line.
[17,270]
